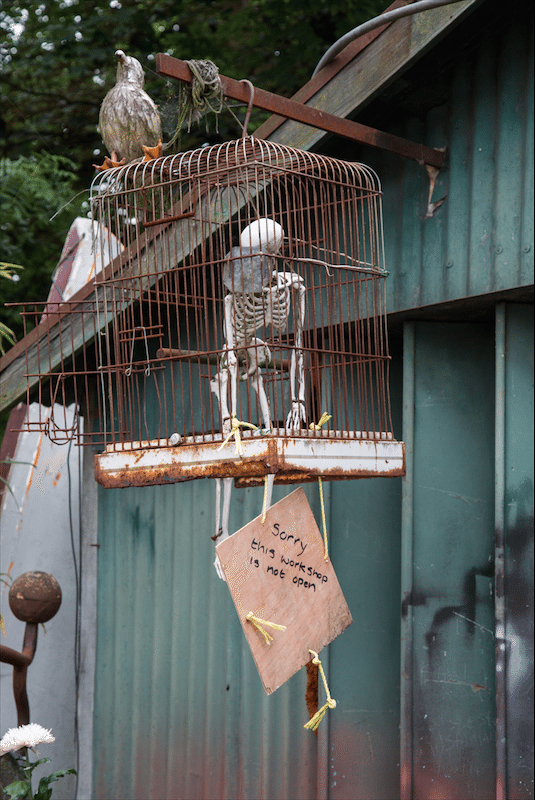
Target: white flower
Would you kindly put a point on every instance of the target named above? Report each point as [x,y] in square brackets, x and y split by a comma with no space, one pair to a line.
[25,736]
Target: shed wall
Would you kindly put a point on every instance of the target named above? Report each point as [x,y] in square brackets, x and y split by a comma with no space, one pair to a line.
[480,240]
[180,710]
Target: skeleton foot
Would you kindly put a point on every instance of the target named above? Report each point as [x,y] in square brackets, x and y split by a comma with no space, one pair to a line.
[296,419]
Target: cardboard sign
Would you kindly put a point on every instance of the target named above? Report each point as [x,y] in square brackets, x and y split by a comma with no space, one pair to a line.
[277,571]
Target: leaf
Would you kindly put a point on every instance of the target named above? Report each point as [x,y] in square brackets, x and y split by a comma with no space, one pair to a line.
[35,764]
[6,333]
[17,789]
[44,792]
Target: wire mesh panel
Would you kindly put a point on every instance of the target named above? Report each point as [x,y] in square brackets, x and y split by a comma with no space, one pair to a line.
[246,302]
[60,363]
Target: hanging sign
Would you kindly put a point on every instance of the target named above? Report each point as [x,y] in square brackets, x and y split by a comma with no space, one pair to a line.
[286,594]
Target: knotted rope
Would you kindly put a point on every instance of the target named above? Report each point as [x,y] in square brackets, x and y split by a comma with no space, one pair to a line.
[203,94]
[316,426]
[258,623]
[235,431]
[313,723]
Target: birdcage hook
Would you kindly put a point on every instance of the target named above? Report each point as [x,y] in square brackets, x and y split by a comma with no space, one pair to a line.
[128,370]
[51,428]
[249,107]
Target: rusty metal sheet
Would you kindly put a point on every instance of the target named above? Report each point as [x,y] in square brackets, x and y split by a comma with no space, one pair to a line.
[293,457]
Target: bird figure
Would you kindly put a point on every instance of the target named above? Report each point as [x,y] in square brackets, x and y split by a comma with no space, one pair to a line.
[129,122]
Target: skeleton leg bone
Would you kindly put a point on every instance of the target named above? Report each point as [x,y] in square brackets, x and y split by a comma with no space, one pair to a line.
[222,532]
[219,386]
[258,355]
[297,417]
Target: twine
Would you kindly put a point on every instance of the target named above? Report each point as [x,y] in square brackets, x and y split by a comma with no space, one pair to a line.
[258,623]
[264,504]
[316,426]
[203,94]
[312,724]
[235,431]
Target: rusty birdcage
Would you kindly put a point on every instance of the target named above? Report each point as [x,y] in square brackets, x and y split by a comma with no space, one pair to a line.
[240,302]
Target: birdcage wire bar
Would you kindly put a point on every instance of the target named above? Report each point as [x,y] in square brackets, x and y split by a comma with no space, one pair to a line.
[167,308]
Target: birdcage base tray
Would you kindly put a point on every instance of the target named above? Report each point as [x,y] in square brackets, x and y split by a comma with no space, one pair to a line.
[330,455]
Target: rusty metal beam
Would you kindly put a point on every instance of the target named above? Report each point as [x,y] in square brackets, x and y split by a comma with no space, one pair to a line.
[316,118]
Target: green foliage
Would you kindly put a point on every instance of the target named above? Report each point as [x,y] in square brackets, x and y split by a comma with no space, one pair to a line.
[57,63]
[18,790]
[44,792]
[32,189]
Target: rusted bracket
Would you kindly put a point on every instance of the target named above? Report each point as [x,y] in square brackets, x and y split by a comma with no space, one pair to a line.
[282,106]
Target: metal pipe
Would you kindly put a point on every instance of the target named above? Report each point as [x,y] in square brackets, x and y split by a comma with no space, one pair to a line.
[407,561]
[376,22]
[499,561]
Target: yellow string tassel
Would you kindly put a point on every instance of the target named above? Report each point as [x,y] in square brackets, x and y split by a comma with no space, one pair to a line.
[313,723]
[235,431]
[257,622]
[316,426]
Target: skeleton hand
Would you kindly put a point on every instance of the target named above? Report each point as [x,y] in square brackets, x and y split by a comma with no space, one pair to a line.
[296,419]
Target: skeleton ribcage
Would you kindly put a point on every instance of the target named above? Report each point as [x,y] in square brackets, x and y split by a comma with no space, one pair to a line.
[254,311]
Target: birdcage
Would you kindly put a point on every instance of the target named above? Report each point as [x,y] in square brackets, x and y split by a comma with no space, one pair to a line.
[240,321]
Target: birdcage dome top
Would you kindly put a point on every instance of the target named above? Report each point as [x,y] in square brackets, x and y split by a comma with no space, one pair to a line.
[247,153]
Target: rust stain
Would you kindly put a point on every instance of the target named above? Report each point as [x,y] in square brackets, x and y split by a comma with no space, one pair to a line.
[34,464]
[247,472]
[312,691]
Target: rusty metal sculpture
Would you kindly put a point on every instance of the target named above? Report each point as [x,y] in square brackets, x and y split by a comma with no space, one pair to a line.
[34,598]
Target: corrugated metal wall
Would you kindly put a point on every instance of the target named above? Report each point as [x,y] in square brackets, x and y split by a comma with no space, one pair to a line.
[481,239]
[514,512]
[447,702]
[180,709]
[181,712]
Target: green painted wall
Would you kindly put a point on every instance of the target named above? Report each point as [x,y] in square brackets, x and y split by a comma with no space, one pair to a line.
[447,700]
[480,240]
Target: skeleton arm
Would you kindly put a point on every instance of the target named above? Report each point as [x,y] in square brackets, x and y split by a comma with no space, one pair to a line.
[297,416]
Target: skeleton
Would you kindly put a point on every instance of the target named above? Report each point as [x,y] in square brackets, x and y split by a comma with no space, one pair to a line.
[258,295]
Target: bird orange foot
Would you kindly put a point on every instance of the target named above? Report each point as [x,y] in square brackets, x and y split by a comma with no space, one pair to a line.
[152,152]
[109,163]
